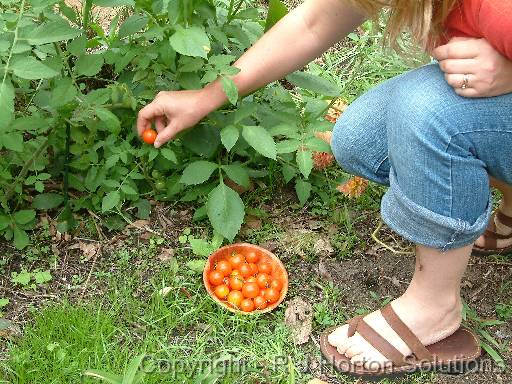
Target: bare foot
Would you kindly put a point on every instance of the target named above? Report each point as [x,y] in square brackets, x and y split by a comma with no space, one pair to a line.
[429,323]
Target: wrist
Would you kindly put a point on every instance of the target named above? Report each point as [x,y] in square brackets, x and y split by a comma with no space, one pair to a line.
[211,97]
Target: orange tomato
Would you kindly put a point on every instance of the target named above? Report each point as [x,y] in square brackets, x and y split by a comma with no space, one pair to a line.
[235,272]
[235,282]
[235,298]
[224,267]
[254,268]
[222,291]
[271,295]
[149,136]
[236,260]
[264,267]
[251,279]
[260,302]
[252,257]
[250,290]
[263,280]
[277,284]
[215,277]
[245,270]
[247,305]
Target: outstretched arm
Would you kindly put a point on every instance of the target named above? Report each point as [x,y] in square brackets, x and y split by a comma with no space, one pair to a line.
[297,39]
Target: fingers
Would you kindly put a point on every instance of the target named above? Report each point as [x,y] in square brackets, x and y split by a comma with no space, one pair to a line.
[457,80]
[458,65]
[165,135]
[160,123]
[468,92]
[147,114]
[458,49]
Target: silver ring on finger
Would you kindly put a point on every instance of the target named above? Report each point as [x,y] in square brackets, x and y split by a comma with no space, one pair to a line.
[465,81]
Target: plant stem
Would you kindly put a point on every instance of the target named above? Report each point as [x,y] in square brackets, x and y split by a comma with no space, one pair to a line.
[15,40]
[86,13]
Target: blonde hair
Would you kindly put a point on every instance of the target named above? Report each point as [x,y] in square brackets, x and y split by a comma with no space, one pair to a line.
[423,19]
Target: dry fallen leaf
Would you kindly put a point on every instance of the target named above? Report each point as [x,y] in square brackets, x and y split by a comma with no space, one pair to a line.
[323,247]
[139,224]
[166,254]
[164,291]
[253,222]
[8,329]
[89,249]
[323,271]
[299,318]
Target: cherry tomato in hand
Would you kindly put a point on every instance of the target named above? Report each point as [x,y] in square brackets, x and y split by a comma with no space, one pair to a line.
[149,136]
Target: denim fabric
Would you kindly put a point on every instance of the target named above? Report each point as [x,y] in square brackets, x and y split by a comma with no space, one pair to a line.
[434,149]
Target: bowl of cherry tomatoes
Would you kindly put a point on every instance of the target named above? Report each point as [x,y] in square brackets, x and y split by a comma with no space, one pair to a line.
[245,278]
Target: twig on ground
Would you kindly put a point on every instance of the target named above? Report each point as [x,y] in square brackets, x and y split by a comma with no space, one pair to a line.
[388,247]
[100,250]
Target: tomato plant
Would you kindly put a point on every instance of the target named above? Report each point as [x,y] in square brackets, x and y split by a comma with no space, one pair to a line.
[70,92]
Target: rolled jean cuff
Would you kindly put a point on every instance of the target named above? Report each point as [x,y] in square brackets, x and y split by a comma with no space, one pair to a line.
[422,226]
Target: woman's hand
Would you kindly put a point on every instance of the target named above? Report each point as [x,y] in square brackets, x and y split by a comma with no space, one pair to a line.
[488,73]
[172,112]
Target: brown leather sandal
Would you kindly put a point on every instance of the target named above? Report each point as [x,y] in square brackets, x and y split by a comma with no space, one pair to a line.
[491,237]
[455,354]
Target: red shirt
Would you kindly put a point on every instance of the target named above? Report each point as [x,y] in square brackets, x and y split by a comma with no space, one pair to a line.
[489,19]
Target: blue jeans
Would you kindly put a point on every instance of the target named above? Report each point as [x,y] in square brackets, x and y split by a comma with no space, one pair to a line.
[434,149]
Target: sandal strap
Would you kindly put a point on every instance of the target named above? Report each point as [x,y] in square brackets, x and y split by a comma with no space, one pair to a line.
[352,325]
[380,344]
[504,219]
[404,332]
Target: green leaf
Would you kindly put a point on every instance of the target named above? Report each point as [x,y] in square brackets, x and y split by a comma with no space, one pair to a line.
[47,201]
[225,210]
[63,92]
[21,239]
[303,190]
[229,136]
[304,160]
[316,144]
[51,32]
[192,41]
[110,200]
[230,89]
[169,155]
[24,216]
[143,208]
[111,120]
[198,172]
[201,247]
[203,140]
[12,141]
[314,83]
[132,25]
[128,190]
[287,146]
[5,221]
[31,69]
[276,11]
[89,64]
[237,173]
[132,370]
[42,277]
[289,172]
[3,303]
[196,266]
[108,377]
[7,103]
[258,138]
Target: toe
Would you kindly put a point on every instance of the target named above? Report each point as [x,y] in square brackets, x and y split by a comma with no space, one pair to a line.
[354,350]
[338,336]
[376,362]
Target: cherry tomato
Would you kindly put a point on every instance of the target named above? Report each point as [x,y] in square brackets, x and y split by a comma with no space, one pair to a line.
[277,284]
[271,295]
[235,282]
[236,260]
[252,257]
[149,136]
[156,174]
[235,298]
[160,185]
[260,302]
[254,268]
[247,305]
[251,279]
[235,272]
[222,291]
[216,277]
[263,280]
[245,270]
[264,267]
[224,267]
[250,290]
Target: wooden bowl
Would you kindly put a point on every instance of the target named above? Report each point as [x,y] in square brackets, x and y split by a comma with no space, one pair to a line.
[278,271]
